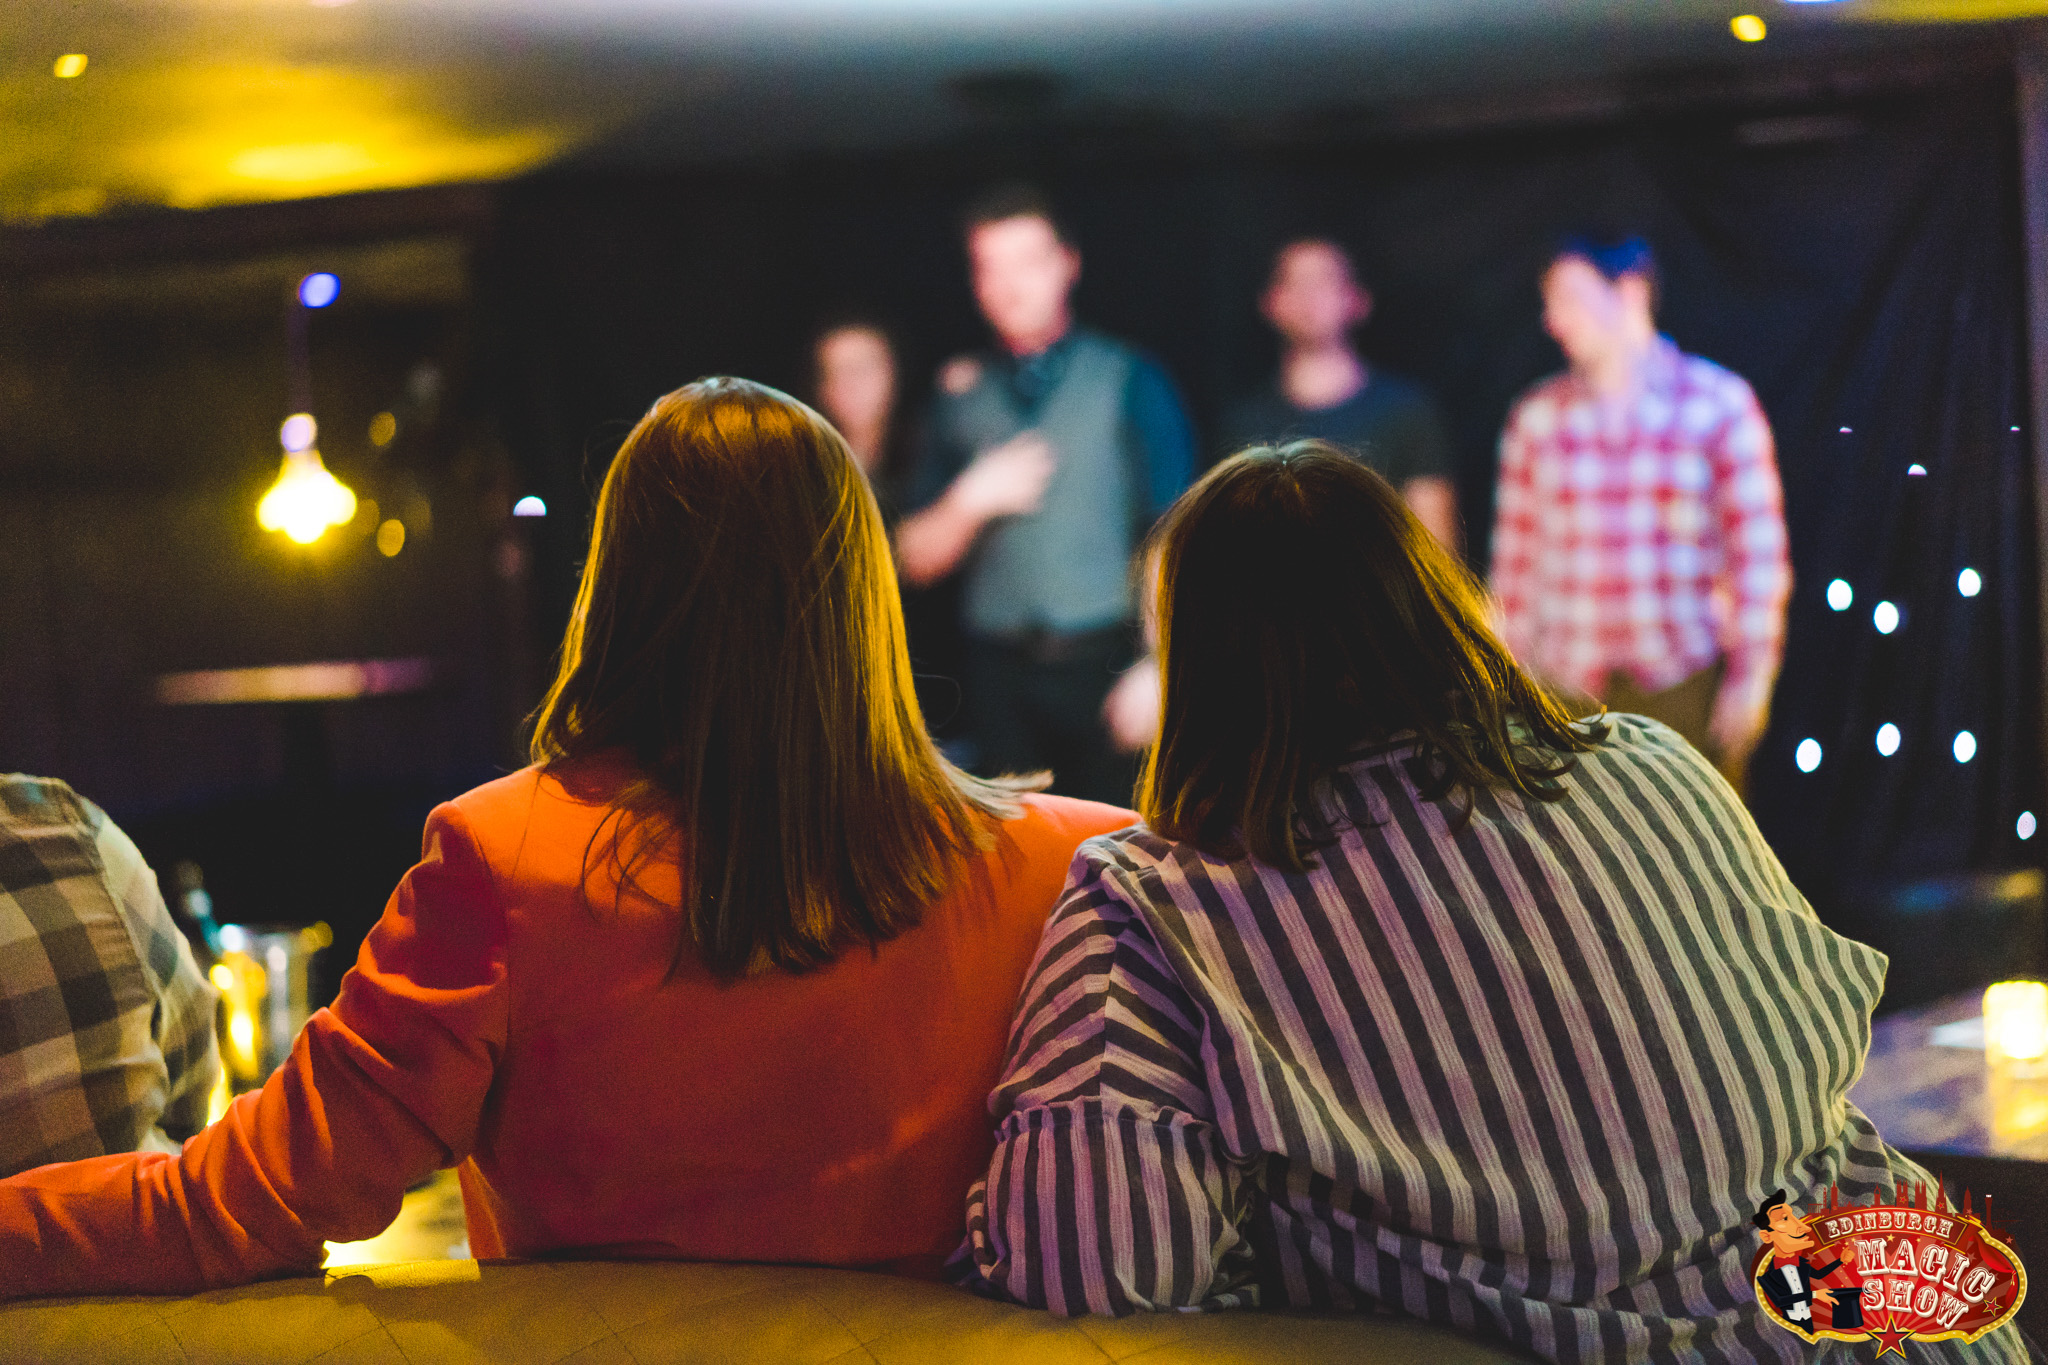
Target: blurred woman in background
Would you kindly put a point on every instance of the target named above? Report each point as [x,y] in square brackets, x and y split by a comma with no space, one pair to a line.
[725,974]
[855,373]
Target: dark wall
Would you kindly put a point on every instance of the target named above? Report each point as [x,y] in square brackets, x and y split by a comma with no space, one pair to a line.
[140,398]
[1857,260]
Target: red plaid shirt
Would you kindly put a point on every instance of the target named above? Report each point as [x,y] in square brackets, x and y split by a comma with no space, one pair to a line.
[1646,537]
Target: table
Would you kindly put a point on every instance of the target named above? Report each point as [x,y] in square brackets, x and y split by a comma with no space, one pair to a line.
[1927,1087]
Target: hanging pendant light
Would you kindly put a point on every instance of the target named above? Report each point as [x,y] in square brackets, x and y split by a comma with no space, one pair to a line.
[306,499]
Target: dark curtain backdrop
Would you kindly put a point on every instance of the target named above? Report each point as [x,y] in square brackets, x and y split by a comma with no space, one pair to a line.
[1860,264]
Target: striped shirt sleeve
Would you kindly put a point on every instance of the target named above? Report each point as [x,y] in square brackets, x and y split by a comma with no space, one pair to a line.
[1110,1191]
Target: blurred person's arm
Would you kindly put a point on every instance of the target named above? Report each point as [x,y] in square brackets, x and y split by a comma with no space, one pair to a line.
[1103,1088]
[1422,459]
[1756,573]
[1004,481]
[1156,423]
[1514,538]
[379,1091]
[1434,501]
[182,1024]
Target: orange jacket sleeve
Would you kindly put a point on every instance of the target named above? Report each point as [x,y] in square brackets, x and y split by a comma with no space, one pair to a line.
[380,1090]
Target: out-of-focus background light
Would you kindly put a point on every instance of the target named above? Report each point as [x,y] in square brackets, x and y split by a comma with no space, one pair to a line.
[1969,583]
[1887,739]
[298,432]
[1885,616]
[306,499]
[1966,746]
[1807,755]
[2016,1020]
[70,65]
[2026,825]
[529,506]
[1749,28]
[390,537]
[319,289]
[1840,595]
[383,429]
[1916,470]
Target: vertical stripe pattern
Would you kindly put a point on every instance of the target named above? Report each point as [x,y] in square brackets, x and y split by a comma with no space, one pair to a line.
[1528,1077]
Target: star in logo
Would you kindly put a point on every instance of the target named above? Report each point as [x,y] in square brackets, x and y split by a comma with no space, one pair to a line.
[1890,1338]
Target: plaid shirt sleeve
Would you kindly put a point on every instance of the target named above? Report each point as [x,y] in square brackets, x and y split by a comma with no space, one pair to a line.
[1756,567]
[106,1025]
[1514,535]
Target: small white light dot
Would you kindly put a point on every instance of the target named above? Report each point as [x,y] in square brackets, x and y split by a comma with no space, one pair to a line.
[1969,583]
[1807,755]
[1885,617]
[1887,739]
[1845,431]
[2025,829]
[1840,595]
[529,506]
[1914,471]
[298,432]
[1966,746]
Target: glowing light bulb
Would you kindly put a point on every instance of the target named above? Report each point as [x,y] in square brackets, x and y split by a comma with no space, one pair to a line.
[2016,1020]
[2026,826]
[1966,746]
[391,537]
[298,431]
[319,289]
[306,499]
[1915,471]
[1887,739]
[1747,28]
[1807,755]
[1885,617]
[70,65]
[529,506]
[1840,595]
[1969,583]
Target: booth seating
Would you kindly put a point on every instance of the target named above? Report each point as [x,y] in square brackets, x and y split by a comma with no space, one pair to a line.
[656,1312]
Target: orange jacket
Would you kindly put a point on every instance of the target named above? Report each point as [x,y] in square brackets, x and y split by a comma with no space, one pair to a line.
[500,1019]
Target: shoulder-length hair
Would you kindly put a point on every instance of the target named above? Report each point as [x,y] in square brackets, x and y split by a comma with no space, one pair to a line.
[1303,611]
[738,633]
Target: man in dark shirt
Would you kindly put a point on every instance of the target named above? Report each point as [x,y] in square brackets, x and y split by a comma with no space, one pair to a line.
[1044,461]
[1326,391]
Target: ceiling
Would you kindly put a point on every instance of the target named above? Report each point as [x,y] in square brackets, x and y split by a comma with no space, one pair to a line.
[195,103]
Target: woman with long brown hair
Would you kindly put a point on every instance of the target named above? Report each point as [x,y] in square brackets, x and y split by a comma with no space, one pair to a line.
[725,974]
[1412,991]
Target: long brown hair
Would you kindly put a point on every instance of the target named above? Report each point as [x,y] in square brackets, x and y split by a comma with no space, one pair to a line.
[738,632]
[1304,611]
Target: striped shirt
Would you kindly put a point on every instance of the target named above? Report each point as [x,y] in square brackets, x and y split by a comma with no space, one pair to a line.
[1530,1077]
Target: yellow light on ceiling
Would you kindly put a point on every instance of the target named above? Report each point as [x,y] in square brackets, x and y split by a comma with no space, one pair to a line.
[306,499]
[1747,27]
[69,65]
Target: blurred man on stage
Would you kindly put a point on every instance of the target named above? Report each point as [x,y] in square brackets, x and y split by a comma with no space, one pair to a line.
[1639,549]
[1045,460]
[1326,391]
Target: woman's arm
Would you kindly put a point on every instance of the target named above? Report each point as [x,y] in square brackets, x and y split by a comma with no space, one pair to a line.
[1110,1190]
[382,1089]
